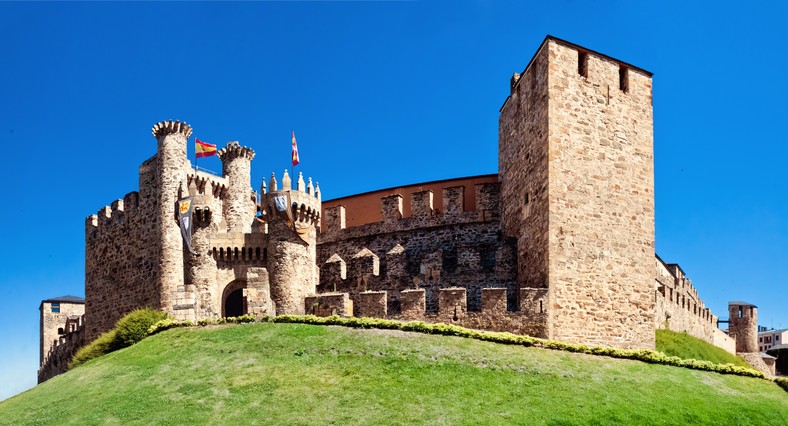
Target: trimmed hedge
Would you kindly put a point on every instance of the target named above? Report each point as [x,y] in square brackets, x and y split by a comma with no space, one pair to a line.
[644,355]
[167,324]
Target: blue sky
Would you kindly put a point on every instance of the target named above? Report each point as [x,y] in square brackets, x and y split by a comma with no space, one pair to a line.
[379,94]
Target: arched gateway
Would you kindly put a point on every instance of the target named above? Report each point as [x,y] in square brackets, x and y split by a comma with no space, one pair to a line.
[234,302]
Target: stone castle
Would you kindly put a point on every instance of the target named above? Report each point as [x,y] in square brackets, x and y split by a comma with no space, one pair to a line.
[558,244]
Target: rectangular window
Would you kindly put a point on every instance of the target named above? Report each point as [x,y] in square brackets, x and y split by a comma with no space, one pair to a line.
[55,308]
[623,79]
[582,63]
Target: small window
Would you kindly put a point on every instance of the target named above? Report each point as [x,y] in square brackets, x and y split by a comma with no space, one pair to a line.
[60,330]
[56,308]
[623,79]
[527,206]
[582,64]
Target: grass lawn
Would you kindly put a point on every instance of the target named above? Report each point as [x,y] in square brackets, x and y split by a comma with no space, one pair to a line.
[685,346]
[295,374]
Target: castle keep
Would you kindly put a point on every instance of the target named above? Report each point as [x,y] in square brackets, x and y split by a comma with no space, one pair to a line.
[558,244]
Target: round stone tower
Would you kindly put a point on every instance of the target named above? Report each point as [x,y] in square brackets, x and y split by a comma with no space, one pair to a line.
[293,216]
[743,326]
[171,168]
[239,206]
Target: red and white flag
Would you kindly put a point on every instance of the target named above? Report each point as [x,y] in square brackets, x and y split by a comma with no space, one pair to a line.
[203,149]
[295,151]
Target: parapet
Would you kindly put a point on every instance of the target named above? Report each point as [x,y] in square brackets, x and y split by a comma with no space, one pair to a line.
[452,309]
[115,213]
[304,204]
[205,181]
[423,212]
[164,128]
[235,150]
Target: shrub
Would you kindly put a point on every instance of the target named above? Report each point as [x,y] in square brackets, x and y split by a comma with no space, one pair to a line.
[167,324]
[134,326]
[101,346]
[782,382]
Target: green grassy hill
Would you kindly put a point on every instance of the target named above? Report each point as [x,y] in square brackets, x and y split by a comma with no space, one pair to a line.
[293,374]
[685,346]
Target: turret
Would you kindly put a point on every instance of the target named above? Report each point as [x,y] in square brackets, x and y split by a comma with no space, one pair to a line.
[239,207]
[171,167]
[293,216]
[743,326]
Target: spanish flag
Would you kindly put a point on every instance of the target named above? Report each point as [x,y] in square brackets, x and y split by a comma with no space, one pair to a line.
[295,151]
[203,149]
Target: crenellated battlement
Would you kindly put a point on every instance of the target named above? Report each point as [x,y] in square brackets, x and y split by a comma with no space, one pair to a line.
[423,212]
[110,216]
[164,128]
[234,150]
[452,308]
[239,247]
[304,200]
[205,182]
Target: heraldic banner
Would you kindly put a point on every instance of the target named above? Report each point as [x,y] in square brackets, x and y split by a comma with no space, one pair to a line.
[185,208]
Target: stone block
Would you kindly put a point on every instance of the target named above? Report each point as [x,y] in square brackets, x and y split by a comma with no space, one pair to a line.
[412,304]
[453,201]
[372,304]
[421,204]
[533,301]
[391,209]
[493,301]
[328,304]
[452,303]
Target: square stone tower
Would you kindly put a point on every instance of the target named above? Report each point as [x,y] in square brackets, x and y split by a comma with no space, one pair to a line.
[54,316]
[577,191]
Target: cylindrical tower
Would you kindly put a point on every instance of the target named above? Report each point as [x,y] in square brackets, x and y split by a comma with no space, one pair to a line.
[239,207]
[743,326]
[171,168]
[293,218]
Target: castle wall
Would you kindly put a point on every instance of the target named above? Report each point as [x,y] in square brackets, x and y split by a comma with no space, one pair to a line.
[359,213]
[452,308]
[523,170]
[429,251]
[121,256]
[679,308]
[62,350]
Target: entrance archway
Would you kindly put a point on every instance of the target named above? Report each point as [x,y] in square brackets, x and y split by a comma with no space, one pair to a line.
[234,300]
[234,305]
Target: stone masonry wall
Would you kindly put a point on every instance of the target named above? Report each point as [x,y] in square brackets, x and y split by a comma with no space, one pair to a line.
[523,171]
[601,200]
[121,256]
[59,355]
[679,308]
[427,251]
[52,324]
[452,309]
